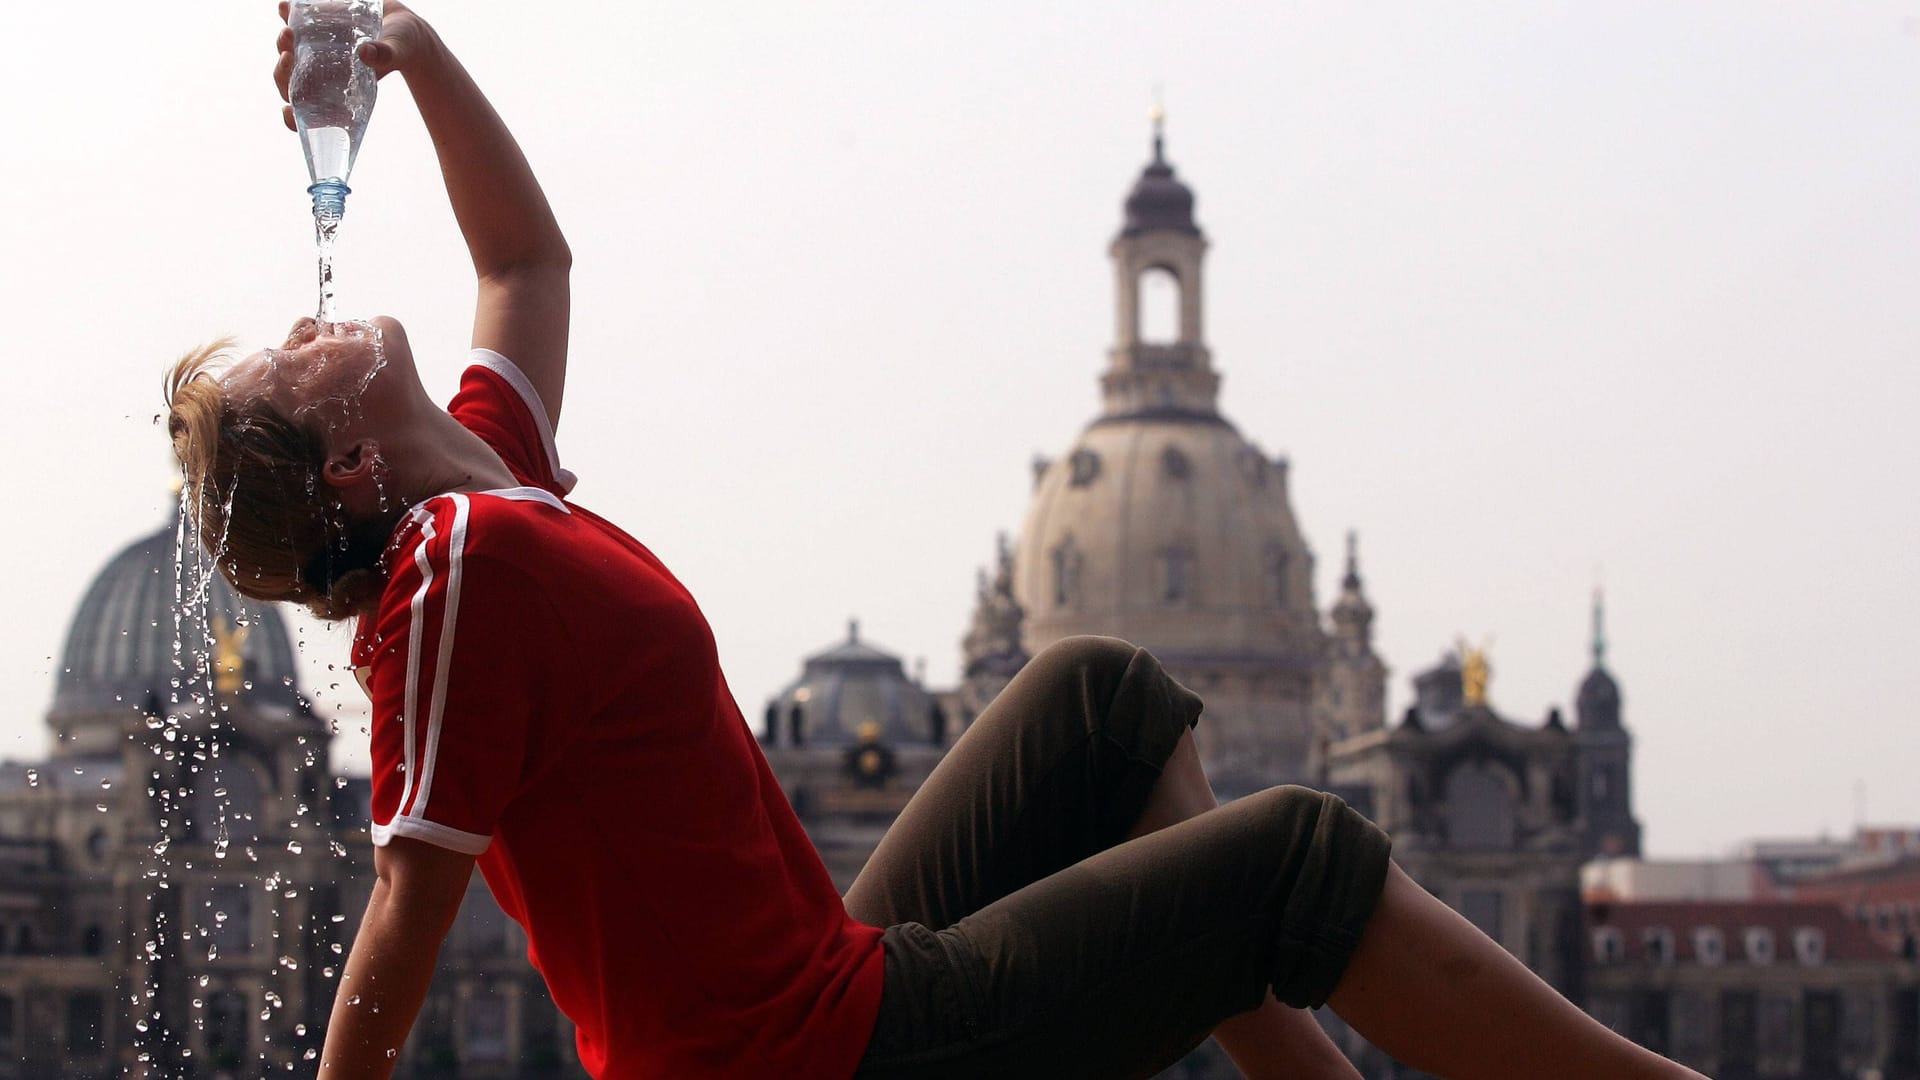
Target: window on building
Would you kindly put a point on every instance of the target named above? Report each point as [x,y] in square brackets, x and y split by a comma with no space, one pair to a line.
[226,1028]
[1809,945]
[227,804]
[1691,1024]
[1159,307]
[1858,1021]
[1779,1023]
[1083,468]
[1277,565]
[6,1026]
[1609,947]
[485,1031]
[1066,573]
[482,929]
[1759,943]
[1709,946]
[1658,943]
[1614,1011]
[86,1013]
[1479,808]
[92,940]
[225,920]
[1483,908]
[1177,575]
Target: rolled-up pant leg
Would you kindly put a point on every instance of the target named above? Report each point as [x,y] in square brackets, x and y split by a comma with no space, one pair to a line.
[1058,768]
[1023,942]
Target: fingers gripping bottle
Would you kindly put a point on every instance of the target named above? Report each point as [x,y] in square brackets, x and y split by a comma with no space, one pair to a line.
[332,93]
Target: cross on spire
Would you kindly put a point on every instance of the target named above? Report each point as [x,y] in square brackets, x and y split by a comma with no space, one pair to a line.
[1599,629]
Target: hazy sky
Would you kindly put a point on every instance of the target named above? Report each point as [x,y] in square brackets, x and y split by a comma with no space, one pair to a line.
[1530,293]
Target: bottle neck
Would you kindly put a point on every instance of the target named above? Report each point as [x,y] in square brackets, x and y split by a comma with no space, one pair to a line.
[329,200]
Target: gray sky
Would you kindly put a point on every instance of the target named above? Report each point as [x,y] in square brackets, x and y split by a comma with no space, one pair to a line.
[1530,293]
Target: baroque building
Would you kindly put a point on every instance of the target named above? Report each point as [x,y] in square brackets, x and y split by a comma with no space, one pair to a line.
[1163,524]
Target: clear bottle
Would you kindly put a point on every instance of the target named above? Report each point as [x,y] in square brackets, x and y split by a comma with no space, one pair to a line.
[332,93]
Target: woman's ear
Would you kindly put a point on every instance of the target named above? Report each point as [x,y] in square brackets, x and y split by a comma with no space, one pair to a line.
[352,465]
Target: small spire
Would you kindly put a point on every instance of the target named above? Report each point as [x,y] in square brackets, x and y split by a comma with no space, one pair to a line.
[853,630]
[1599,629]
[1159,116]
[1352,580]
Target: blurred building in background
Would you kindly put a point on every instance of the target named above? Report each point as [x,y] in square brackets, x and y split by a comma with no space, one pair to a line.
[180,880]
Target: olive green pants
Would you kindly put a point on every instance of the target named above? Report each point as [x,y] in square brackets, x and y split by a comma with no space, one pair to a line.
[1026,939]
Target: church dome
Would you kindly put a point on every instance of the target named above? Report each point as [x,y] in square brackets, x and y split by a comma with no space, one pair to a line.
[1158,199]
[1173,533]
[1598,705]
[120,646]
[848,694]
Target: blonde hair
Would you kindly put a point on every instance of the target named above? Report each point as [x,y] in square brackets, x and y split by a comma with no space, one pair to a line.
[255,493]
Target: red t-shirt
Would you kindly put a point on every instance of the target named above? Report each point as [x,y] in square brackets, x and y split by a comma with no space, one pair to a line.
[547,697]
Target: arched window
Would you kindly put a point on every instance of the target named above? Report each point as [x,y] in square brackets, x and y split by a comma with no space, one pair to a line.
[1159,307]
[1066,573]
[1709,946]
[1176,575]
[1479,809]
[1809,945]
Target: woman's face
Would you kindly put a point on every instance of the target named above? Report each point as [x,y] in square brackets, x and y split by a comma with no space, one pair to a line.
[330,377]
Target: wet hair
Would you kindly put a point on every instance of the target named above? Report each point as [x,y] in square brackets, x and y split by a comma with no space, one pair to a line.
[273,527]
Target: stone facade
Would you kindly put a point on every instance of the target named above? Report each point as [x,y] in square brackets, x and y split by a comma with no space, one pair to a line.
[1745,990]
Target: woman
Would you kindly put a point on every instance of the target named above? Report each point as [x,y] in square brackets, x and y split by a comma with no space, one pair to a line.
[1061,898]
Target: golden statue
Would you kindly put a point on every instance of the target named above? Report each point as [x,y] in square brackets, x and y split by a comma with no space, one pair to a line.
[229,656]
[1475,673]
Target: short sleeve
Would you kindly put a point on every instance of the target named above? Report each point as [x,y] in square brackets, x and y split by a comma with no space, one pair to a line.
[452,685]
[497,402]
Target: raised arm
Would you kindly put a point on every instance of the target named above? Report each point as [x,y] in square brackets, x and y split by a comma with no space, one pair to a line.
[416,895]
[519,254]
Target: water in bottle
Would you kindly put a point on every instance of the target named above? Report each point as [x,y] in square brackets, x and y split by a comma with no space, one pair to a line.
[332,94]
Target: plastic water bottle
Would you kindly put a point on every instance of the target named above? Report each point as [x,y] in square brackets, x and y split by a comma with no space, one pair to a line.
[332,93]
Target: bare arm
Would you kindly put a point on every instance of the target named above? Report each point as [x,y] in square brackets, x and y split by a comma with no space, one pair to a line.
[519,254]
[415,897]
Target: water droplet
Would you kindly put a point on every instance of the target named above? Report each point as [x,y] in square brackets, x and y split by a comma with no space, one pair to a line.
[391,1052]
[33,777]
[293,846]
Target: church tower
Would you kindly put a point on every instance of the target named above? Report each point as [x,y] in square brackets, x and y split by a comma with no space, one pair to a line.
[1164,525]
[1352,695]
[1606,756]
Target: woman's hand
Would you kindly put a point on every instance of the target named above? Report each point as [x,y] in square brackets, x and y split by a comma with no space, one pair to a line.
[404,39]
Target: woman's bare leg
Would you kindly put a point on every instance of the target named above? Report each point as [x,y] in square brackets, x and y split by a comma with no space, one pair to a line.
[1429,988]
[1273,1041]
